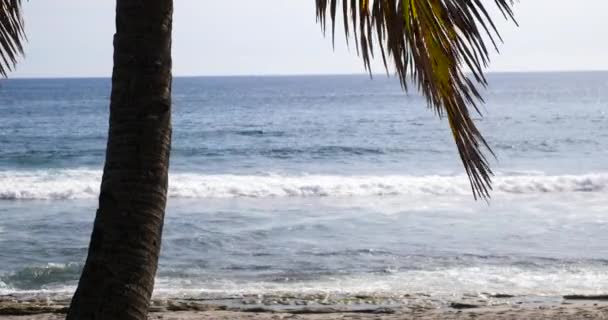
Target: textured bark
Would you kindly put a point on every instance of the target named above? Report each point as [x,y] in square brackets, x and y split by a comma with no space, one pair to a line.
[118,277]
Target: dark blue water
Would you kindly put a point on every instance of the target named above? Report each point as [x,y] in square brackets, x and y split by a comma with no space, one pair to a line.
[324,183]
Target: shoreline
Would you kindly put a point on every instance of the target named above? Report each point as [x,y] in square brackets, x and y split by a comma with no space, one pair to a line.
[320,307]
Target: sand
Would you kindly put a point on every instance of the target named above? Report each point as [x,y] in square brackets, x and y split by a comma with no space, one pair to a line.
[12,308]
[549,312]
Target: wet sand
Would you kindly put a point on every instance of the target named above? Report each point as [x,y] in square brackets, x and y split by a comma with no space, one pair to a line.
[502,308]
[549,312]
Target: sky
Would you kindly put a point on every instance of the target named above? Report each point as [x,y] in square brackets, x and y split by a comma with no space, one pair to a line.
[68,38]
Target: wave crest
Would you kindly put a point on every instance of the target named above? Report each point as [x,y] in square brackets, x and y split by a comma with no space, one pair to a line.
[35,278]
[84,184]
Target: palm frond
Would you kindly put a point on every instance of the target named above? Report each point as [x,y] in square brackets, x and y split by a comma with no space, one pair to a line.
[11,34]
[435,42]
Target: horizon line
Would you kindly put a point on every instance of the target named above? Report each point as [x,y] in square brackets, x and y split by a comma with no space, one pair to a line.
[278,75]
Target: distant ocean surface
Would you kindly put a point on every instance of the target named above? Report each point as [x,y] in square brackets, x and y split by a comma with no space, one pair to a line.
[320,184]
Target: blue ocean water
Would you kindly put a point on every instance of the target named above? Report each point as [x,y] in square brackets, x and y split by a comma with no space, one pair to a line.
[321,184]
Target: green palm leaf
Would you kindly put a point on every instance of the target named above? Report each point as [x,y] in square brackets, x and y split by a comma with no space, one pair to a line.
[434,42]
[11,34]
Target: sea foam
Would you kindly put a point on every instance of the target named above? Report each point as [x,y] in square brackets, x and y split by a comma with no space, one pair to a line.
[554,281]
[84,184]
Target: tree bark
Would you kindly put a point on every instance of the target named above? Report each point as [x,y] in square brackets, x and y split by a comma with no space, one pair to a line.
[118,276]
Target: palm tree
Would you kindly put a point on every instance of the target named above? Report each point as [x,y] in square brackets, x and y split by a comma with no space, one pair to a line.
[430,42]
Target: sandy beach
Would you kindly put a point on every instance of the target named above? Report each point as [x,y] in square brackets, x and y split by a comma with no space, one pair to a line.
[576,311]
[13,308]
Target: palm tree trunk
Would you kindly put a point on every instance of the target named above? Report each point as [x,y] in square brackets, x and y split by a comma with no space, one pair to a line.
[118,277]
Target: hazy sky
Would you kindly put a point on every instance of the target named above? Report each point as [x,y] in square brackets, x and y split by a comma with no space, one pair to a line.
[74,38]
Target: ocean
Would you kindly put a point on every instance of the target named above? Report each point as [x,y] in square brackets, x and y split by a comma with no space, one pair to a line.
[321,185]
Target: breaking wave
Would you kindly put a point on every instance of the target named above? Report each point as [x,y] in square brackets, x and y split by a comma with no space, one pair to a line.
[84,184]
[554,281]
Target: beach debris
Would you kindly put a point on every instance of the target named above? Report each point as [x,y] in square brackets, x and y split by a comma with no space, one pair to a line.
[601,297]
[27,309]
[460,305]
[500,295]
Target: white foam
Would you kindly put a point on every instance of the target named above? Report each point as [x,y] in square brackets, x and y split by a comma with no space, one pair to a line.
[511,280]
[552,281]
[49,184]
[84,184]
